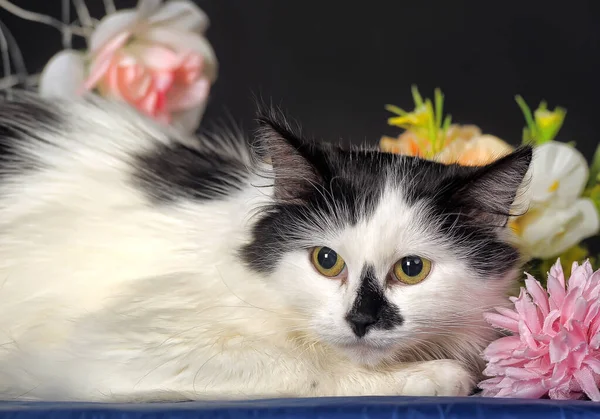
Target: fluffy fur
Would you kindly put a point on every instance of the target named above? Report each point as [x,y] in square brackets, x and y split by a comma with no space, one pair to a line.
[137,264]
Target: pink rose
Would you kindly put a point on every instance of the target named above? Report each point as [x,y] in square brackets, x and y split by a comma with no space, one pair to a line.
[154,57]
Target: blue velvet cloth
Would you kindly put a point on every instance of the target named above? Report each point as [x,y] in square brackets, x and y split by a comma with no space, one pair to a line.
[326,408]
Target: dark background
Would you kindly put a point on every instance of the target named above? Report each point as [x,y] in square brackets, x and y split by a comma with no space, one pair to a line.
[334,64]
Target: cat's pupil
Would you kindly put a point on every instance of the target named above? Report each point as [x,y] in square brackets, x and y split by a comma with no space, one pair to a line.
[412,265]
[327,258]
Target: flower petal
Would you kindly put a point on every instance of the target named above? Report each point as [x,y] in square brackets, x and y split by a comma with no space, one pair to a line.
[111,26]
[559,174]
[557,272]
[183,15]
[532,389]
[579,310]
[104,58]
[507,312]
[595,341]
[147,8]
[554,230]
[63,76]
[563,393]
[530,321]
[579,276]
[593,363]
[586,380]
[503,322]
[556,285]
[550,327]
[527,336]
[489,383]
[539,295]
[559,348]
[184,42]
[521,374]
[155,57]
[185,97]
[569,303]
[592,312]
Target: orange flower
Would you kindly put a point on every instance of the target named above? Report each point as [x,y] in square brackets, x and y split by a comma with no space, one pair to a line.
[464,144]
[476,151]
[407,144]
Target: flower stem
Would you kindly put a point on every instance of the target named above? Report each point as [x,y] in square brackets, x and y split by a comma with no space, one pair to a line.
[529,132]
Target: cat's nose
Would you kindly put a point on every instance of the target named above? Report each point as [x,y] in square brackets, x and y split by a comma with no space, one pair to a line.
[361,322]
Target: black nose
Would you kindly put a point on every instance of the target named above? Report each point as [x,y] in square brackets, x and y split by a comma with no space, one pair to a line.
[361,322]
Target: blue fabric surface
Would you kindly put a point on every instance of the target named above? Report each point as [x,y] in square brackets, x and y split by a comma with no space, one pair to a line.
[330,408]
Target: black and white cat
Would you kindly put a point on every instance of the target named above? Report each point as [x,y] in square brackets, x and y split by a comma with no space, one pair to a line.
[138,264]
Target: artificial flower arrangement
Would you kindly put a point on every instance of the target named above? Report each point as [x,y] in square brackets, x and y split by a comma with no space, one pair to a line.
[154,57]
[552,343]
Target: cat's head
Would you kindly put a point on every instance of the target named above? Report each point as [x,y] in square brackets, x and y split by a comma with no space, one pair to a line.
[382,255]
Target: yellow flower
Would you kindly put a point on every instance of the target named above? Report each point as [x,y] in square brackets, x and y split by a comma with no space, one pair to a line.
[543,125]
[546,119]
[425,125]
[419,117]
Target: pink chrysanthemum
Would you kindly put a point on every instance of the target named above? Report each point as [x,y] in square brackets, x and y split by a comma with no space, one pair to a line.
[554,349]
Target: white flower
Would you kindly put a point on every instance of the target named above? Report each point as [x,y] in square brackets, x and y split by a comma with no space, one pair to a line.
[558,218]
[559,174]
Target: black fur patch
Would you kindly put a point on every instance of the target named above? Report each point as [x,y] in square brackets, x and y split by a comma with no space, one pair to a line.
[22,119]
[343,197]
[470,205]
[371,310]
[176,171]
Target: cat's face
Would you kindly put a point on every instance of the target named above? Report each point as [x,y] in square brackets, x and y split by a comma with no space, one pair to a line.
[384,256]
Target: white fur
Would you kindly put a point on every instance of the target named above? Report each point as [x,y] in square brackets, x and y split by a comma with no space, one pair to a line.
[105,296]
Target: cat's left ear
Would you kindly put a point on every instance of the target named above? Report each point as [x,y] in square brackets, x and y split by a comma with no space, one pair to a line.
[299,166]
[488,193]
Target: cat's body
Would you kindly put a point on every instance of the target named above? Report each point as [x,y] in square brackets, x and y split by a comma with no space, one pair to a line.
[136,264]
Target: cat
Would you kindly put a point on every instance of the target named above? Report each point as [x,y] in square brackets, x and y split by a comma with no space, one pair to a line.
[140,264]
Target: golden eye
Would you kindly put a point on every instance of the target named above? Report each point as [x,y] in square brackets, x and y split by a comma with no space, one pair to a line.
[327,261]
[411,270]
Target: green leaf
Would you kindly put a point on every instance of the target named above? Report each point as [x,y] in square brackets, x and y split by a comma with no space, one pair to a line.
[594,194]
[595,169]
[528,116]
[396,110]
[431,131]
[416,96]
[527,136]
[446,124]
[439,107]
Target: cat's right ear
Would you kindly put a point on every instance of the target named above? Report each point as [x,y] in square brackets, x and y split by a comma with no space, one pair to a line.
[298,165]
[489,192]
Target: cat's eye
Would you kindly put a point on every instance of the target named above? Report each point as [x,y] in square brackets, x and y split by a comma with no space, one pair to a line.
[411,270]
[327,262]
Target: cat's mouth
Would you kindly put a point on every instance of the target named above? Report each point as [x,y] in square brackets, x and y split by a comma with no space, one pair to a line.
[368,351]
[367,342]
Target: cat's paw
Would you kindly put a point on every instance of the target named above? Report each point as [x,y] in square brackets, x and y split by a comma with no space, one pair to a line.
[444,377]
